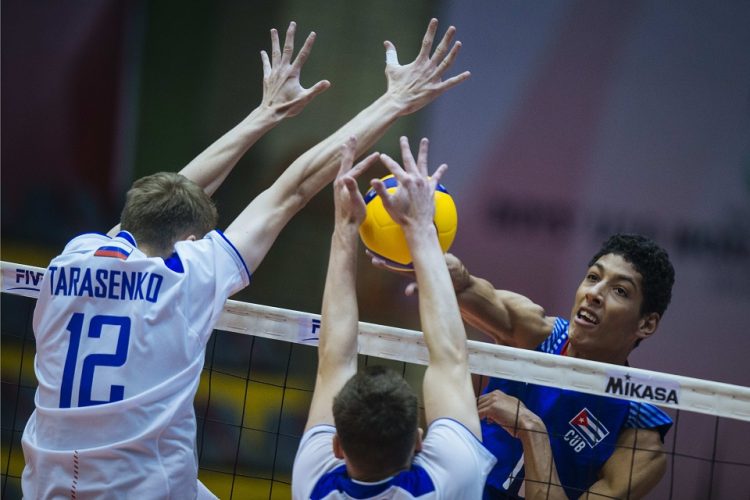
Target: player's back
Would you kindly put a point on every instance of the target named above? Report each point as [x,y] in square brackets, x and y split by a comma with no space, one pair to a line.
[110,323]
[120,345]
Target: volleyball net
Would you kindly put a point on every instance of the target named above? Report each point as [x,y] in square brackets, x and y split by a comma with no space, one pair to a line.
[259,374]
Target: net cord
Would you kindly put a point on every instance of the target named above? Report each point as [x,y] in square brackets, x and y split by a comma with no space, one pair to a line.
[663,389]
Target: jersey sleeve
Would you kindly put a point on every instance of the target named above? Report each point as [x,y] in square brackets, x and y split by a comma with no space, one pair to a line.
[232,272]
[647,416]
[455,459]
[554,343]
[314,458]
[212,270]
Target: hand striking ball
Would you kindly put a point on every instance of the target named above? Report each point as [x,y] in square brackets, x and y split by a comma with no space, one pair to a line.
[384,237]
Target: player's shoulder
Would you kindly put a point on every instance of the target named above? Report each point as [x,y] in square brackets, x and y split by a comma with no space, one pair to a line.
[121,246]
[557,337]
[446,435]
[208,249]
[455,459]
[209,244]
[647,416]
[85,241]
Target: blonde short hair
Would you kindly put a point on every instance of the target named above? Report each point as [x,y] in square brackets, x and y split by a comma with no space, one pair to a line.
[164,207]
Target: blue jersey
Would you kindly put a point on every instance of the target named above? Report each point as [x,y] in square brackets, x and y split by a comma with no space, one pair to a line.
[583,428]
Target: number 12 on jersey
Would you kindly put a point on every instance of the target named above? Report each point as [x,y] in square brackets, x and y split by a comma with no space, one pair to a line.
[90,362]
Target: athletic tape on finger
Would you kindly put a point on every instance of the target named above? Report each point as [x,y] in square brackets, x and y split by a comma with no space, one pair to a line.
[391,57]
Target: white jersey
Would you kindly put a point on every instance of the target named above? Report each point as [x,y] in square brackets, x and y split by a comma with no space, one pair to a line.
[453,464]
[121,341]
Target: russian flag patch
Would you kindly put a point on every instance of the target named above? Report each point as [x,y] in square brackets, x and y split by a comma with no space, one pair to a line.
[589,428]
[112,251]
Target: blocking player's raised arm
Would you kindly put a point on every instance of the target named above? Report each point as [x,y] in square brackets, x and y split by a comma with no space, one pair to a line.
[337,350]
[447,384]
[283,97]
[410,87]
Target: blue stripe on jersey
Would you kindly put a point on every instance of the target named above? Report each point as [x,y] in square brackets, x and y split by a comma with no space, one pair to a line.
[174,263]
[647,416]
[415,481]
[249,274]
[555,341]
[127,237]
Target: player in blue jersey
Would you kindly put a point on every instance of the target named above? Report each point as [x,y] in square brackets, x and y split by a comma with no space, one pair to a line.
[607,447]
[362,438]
[122,321]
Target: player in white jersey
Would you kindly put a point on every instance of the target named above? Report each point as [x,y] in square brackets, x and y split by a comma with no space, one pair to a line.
[122,320]
[361,439]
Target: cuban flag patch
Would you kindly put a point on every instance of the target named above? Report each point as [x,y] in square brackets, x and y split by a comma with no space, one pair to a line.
[589,428]
[112,251]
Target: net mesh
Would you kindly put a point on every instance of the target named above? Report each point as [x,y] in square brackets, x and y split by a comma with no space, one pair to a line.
[255,390]
[251,405]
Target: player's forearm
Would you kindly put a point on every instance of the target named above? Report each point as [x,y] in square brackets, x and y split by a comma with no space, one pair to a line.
[340,318]
[211,167]
[542,481]
[481,309]
[443,329]
[317,167]
[635,467]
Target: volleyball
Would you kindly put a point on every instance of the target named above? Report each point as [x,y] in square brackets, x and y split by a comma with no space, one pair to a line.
[383,237]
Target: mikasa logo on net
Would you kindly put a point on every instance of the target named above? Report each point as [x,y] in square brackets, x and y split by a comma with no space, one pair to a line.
[641,388]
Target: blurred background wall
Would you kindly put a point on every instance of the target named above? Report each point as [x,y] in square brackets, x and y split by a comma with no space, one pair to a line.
[585,118]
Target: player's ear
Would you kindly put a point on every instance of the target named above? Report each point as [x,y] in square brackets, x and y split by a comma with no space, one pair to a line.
[338,452]
[192,237]
[418,440]
[647,325]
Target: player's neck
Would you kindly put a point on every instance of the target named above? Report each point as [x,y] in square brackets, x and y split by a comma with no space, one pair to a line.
[613,358]
[357,475]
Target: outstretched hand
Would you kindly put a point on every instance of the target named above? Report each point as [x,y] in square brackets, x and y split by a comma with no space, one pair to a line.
[460,276]
[412,204]
[416,84]
[503,410]
[282,91]
[348,202]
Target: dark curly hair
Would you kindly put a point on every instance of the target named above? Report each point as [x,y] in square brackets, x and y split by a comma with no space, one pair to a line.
[376,417]
[652,263]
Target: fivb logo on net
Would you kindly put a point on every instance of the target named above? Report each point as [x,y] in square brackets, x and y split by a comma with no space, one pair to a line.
[22,280]
[309,330]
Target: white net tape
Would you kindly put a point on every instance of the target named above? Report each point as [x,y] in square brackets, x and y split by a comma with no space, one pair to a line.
[675,391]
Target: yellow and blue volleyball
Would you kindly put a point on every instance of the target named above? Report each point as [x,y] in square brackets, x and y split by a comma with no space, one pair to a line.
[384,237]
